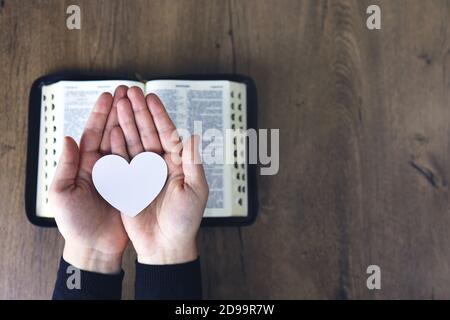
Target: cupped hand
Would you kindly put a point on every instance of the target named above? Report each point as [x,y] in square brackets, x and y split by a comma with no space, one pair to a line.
[95,238]
[165,232]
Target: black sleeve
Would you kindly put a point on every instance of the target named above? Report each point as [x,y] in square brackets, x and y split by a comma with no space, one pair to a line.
[73,283]
[175,281]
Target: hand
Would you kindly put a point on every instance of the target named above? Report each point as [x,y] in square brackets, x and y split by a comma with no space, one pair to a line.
[165,232]
[95,238]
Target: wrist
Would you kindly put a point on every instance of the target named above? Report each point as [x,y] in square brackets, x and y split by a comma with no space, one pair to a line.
[89,259]
[169,255]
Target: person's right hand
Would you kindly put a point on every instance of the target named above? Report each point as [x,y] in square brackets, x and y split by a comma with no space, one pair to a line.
[165,232]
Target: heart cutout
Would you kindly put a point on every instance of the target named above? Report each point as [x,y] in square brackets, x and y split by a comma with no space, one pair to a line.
[130,187]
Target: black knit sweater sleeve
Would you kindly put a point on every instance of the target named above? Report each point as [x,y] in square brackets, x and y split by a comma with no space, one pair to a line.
[75,284]
[176,281]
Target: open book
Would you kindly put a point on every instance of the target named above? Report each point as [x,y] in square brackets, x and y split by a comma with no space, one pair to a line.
[214,105]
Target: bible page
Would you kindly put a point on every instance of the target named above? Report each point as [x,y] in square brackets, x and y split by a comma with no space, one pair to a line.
[202,104]
[65,107]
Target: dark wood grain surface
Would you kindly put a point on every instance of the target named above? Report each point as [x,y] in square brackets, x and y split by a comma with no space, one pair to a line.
[364,120]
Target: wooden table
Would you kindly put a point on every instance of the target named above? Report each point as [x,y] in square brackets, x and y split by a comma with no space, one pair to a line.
[364,118]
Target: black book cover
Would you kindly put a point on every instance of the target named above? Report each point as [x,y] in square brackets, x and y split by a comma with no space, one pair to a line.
[34,111]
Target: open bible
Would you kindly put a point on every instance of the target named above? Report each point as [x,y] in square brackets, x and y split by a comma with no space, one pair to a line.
[206,107]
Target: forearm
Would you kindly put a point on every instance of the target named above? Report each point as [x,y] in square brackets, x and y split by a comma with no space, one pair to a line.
[92,260]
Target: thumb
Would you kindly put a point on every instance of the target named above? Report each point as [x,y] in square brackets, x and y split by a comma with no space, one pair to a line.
[67,168]
[194,175]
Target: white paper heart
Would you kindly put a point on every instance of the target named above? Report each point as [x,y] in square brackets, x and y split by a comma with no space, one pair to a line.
[130,187]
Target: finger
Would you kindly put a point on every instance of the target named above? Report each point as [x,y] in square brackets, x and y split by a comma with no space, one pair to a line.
[144,122]
[194,174]
[164,125]
[128,125]
[67,169]
[105,145]
[95,125]
[118,144]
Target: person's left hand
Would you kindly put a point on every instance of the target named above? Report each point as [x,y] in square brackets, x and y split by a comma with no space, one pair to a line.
[95,238]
